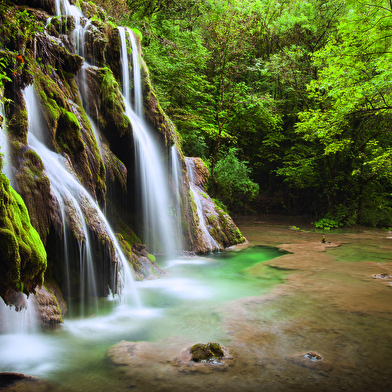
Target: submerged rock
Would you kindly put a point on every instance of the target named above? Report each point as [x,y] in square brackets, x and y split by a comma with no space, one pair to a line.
[312,360]
[381,276]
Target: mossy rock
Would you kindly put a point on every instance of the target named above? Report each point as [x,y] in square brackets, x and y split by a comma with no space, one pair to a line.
[151,258]
[17,116]
[22,253]
[203,352]
[34,187]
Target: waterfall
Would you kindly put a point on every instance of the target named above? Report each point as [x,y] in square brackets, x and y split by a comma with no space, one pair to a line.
[76,205]
[199,195]
[177,180]
[137,84]
[159,232]
[24,321]
[4,146]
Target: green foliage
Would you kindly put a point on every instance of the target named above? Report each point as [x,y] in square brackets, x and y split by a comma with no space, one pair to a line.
[326,223]
[233,182]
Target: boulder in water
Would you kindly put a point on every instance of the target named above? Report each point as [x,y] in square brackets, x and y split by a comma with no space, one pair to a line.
[202,351]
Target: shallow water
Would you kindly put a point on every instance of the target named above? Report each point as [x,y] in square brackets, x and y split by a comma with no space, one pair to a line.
[185,304]
[314,297]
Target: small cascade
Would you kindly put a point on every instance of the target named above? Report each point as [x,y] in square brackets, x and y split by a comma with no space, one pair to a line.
[23,321]
[199,195]
[4,146]
[177,180]
[76,206]
[159,229]
[137,82]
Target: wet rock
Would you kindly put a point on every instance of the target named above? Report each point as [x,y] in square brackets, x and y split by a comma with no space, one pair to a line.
[312,360]
[158,358]
[217,221]
[16,299]
[142,263]
[18,382]
[381,276]
[139,248]
[22,254]
[48,299]
[204,358]
[8,379]
[202,351]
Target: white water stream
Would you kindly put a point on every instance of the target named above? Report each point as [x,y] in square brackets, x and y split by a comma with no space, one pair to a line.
[198,193]
[159,232]
[177,179]
[4,146]
[75,201]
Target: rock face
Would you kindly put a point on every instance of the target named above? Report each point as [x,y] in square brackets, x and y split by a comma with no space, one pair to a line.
[212,226]
[82,120]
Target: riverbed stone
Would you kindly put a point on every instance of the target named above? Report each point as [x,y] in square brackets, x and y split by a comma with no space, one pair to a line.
[311,360]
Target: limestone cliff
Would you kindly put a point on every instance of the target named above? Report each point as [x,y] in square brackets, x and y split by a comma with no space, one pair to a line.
[83,121]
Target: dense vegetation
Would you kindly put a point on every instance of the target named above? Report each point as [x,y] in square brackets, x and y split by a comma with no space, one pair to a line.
[291,95]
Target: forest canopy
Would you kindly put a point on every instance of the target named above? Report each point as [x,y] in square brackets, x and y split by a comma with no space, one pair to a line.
[295,94]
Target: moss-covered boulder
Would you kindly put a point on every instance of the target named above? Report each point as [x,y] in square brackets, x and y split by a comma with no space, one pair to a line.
[22,253]
[142,262]
[206,351]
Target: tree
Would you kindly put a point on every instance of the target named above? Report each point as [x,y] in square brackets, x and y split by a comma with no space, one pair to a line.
[350,126]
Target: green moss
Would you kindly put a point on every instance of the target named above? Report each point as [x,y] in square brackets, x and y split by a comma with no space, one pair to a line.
[18,123]
[203,352]
[68,133]
[138,33]
[22,253]
[112,105]
[112,24]
[151,258]
[127,250]
[51,107]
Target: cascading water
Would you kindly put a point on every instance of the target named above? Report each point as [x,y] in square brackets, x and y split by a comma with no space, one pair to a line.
[4,146]
[159,233]
[23,321]
[198,194]
[177,180]
[76,204]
